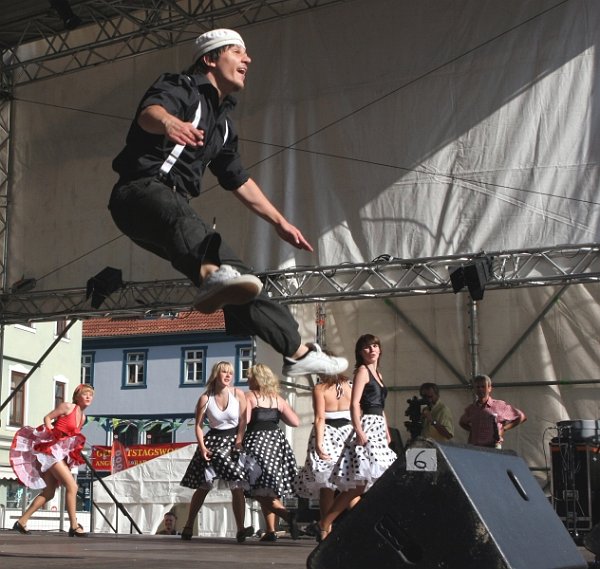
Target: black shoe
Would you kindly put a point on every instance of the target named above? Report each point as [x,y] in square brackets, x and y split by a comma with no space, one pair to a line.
[21,529]
[293,522]
[186,533]
[241,535]
[73,532]
[269,536]
[311,529]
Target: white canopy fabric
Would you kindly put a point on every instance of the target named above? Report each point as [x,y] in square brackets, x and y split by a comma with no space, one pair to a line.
[410,128]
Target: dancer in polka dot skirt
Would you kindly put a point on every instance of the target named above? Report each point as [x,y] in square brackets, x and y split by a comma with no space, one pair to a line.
[265,442]
[332,427]
[218,455]
[366,455]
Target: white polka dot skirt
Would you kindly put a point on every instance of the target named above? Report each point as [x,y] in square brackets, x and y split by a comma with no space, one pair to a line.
[316,472]
[363,465]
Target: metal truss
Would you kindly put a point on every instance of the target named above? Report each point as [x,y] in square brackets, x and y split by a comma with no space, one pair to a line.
[5,137]
[112,30]
[385,277]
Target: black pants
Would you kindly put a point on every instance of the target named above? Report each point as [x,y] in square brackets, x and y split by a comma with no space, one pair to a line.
[160,220]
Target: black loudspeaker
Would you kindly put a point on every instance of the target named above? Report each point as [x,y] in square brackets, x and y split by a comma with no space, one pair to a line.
[452,507]
[476,277]
[457,278]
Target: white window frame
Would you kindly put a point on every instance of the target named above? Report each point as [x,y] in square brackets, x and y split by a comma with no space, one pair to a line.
[198,359]
[130,363]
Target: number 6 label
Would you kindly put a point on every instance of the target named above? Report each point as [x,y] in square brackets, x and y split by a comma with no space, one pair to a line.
[421,459]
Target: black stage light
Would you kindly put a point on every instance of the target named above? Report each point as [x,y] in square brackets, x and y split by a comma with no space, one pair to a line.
[23,285]
[101,286]
[64,10]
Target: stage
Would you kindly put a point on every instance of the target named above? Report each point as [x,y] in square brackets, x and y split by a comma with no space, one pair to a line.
[55,550]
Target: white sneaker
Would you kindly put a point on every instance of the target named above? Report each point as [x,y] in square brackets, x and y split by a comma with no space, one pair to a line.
[314,362]
[226,286]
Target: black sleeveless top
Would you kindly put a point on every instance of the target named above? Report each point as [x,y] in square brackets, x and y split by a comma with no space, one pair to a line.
[373,397]
[263,419]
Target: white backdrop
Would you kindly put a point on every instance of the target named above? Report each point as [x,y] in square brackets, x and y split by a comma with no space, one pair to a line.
[404,127]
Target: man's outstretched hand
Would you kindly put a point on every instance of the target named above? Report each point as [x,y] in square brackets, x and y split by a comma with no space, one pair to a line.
[293,236]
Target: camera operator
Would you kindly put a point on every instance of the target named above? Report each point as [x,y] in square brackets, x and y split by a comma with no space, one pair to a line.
[437,418]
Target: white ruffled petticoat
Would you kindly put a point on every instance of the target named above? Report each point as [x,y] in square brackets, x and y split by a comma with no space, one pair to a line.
[30,463]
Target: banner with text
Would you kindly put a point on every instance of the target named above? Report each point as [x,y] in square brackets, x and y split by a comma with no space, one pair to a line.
[134,454]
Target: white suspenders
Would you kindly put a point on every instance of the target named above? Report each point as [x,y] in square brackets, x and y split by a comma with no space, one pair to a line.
[178,148]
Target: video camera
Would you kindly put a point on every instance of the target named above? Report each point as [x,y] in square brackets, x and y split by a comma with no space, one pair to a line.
[414,425]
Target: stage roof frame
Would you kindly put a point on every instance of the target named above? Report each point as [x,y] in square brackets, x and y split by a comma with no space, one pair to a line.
[36,43]
[384,277]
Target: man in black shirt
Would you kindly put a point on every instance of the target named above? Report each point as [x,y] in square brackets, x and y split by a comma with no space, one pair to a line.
[181,127]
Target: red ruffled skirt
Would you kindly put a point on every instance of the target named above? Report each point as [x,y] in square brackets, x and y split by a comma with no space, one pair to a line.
[35,450]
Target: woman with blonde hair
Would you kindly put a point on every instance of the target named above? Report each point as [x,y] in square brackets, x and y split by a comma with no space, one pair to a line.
[218,452]
[42,458]
[267,444]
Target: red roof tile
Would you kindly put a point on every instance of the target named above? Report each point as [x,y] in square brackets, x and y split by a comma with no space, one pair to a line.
[181,322]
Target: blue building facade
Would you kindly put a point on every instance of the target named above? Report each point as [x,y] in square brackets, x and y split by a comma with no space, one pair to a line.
[148,374]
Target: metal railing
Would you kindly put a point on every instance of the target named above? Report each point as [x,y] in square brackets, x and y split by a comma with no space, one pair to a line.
[120,507]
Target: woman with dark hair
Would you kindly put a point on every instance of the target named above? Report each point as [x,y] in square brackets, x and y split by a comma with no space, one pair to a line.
[332,427]
[366,455]
[42,458]
[218,452]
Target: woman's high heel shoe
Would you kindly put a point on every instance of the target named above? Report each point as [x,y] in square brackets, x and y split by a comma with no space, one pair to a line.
[21,529]
[321,533]
[77,532]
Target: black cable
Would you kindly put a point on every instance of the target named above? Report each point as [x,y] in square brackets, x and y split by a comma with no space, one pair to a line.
[65,108]
[79,258]
[452,177]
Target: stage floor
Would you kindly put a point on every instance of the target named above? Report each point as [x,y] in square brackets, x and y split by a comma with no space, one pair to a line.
[53,550]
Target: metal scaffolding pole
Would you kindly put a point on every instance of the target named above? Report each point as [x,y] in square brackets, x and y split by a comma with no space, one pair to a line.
[473,336]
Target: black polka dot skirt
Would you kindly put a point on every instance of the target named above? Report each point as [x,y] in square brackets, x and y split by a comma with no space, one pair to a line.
[225,464]
[275,460]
